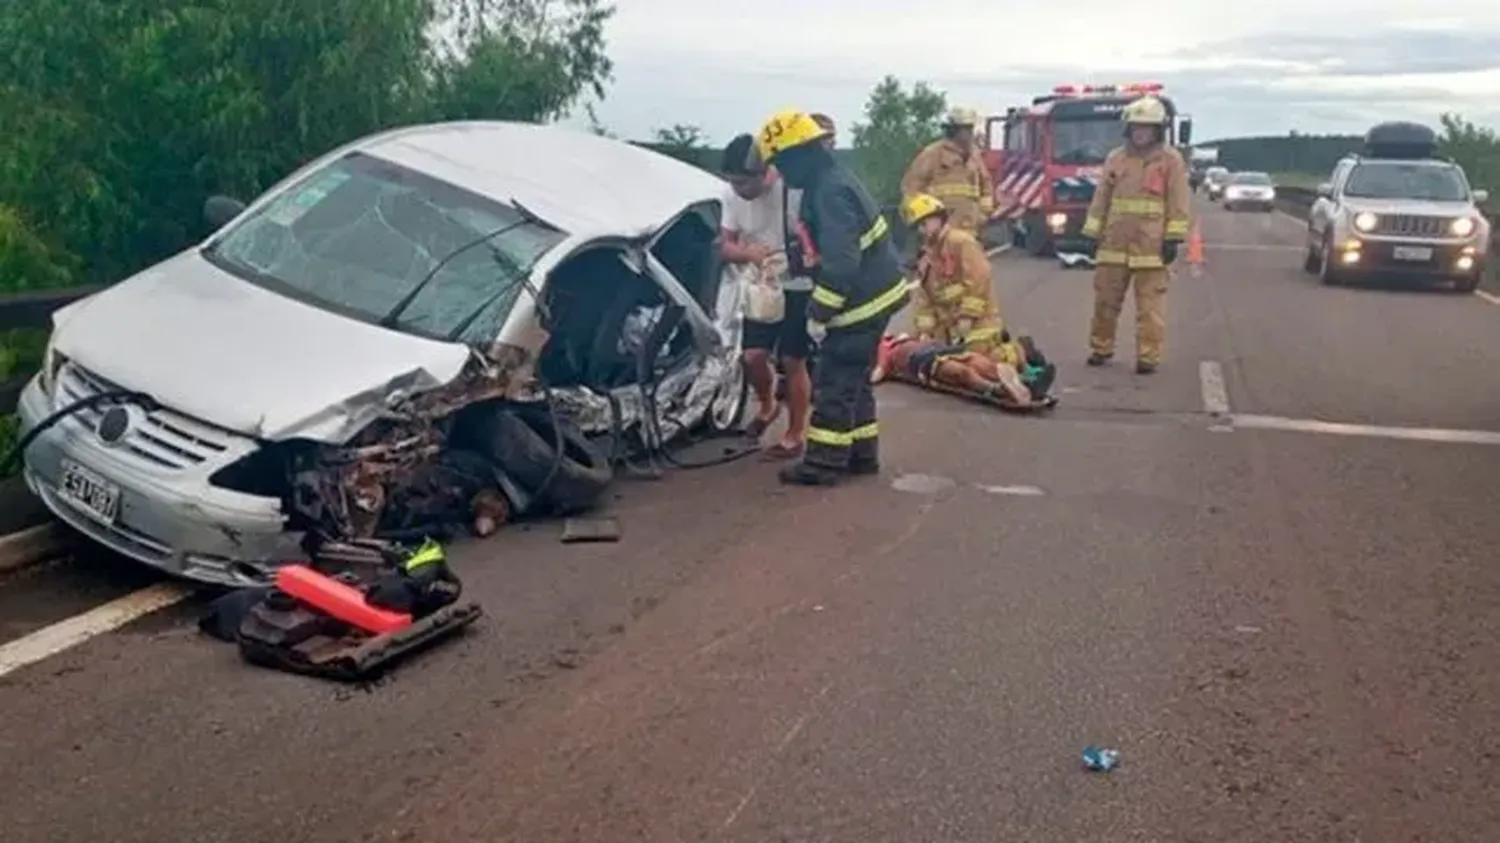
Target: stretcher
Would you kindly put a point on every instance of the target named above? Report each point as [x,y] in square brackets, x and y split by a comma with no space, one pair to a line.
[999,402]
[916,364]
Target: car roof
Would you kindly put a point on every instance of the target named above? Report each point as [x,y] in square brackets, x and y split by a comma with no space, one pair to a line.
[578,181]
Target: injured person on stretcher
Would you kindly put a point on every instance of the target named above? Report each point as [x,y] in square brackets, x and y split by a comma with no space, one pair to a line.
[946,367]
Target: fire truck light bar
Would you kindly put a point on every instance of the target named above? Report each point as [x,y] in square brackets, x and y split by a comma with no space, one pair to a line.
[1128,88]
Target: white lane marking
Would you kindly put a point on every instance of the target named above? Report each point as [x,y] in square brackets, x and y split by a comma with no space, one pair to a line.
[1211,382]
[1020,491]
[63,635]
[999,250]
[1419,434]
[1489,297]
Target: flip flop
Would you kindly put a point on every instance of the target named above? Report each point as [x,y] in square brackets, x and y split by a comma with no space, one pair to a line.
[757,427]
[783,450]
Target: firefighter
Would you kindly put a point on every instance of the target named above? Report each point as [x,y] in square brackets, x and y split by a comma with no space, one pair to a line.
[954,301]
[1137,222]
[844,243]
[953,170]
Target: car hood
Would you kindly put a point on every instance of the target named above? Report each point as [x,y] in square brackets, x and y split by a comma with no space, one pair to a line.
[238,356]
[1420,207]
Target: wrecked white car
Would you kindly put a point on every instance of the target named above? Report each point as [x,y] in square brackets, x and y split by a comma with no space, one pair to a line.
[471,316]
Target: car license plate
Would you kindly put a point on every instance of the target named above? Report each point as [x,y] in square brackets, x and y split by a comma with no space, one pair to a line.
[1412,253]
[91,494]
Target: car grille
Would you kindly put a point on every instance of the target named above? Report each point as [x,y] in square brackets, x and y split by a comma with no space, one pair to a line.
[163,439]
[1411,225]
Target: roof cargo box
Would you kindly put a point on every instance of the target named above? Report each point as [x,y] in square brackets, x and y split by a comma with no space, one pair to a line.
[1401,140]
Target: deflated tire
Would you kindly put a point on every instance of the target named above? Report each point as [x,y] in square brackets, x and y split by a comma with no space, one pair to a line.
[524,442]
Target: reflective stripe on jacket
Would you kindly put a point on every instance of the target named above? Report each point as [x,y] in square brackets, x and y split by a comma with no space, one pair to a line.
[955,300]
[1142,200]
[962,182]
[857,274]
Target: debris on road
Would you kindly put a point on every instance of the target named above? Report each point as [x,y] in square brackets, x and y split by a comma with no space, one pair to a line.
[578,530]
[1100,760]
[331,620]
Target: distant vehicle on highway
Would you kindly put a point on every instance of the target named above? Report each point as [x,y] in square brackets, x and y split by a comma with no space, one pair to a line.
[1250,190]
[1397,209]
[1214,181]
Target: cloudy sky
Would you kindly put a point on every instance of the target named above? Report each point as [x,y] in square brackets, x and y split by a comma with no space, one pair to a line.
[1258,67]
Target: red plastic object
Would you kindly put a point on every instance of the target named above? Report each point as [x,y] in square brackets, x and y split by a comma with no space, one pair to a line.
[341,601]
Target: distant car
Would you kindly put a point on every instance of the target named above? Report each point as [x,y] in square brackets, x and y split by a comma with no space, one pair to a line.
[1400,217]
[1250,191]
[311,362]
[1214,180]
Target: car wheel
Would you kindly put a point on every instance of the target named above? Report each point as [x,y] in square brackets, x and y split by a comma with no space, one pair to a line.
[1328,272]
[524,440]
[1037,242]
[1310,262]
[1466,285]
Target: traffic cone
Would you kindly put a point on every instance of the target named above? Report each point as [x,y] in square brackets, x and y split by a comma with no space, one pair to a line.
[1195,251]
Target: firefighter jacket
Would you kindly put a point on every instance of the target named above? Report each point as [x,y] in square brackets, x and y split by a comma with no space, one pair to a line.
[961,182]
[955,300]
[1142,200]
[844,243]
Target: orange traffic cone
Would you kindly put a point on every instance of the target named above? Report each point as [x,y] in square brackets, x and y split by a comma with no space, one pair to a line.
[1195,251]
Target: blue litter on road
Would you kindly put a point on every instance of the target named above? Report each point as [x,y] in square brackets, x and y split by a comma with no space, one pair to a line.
[1100,760]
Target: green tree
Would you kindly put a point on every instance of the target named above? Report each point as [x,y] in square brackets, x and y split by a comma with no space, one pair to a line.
[682,141]
[898,123]
[1475,147]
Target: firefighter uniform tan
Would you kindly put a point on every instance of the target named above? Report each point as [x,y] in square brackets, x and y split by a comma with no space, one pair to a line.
[1138,218]
[944,170]
[954,300]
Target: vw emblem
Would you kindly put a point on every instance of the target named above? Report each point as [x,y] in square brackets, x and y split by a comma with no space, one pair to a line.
[113,425]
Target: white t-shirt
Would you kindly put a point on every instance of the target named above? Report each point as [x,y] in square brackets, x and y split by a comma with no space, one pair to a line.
[765,220]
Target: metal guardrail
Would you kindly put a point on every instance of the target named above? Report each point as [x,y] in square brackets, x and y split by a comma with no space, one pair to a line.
[32,309]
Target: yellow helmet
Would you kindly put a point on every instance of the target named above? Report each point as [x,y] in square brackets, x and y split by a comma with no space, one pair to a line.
[964,117]
[920,206]
[1146,110]
[786,130]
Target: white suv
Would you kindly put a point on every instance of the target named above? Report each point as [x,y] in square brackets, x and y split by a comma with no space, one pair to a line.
[1398,217]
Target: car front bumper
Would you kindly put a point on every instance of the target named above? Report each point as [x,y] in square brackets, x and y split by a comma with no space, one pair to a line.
[1413,258]
[1255,203]
[174,521]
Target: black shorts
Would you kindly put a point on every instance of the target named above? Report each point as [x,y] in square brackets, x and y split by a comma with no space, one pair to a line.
[788,338]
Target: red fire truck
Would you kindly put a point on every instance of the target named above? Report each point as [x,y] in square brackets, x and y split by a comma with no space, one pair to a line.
[1045,159]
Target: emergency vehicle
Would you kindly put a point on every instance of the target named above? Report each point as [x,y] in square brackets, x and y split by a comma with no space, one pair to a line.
[1046,158]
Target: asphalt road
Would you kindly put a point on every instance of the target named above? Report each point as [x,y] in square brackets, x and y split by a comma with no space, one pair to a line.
[1286,629]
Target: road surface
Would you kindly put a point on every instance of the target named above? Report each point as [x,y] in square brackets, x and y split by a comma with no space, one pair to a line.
[1286,627]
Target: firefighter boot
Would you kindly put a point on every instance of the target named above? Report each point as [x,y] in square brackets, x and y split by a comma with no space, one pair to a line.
[1144,368]
[1097,359]
[863,466]
[807,474]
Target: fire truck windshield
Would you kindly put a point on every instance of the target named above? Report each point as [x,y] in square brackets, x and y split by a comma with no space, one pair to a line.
[1084,142]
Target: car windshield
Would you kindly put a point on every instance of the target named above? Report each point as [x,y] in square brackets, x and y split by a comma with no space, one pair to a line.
[359,235]
[1084,142]
[1407,180]
[1252,179]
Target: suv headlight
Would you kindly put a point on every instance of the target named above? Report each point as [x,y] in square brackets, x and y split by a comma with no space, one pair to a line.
[1464,226]
[1365,221]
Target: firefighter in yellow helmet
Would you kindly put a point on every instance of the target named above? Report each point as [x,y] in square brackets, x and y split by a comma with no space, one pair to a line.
[1137,221]
[952,169]
[954,300]
[843,242]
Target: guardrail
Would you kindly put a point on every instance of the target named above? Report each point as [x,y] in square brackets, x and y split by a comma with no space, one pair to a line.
[32,309]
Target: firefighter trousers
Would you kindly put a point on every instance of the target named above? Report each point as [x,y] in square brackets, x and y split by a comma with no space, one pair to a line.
[843,430]
[1110,283]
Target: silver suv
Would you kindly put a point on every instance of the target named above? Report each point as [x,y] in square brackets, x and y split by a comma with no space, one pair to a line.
[1402,217]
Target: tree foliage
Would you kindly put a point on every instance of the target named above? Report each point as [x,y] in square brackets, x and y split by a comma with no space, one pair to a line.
[898,123]
[682,141]
[123,115]
[1477,148]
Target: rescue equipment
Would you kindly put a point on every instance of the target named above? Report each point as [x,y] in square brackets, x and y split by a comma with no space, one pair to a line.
[338,600]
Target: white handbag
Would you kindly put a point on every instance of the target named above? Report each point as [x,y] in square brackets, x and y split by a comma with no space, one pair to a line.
[765,300]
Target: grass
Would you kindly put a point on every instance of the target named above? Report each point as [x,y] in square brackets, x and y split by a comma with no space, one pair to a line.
[21,352]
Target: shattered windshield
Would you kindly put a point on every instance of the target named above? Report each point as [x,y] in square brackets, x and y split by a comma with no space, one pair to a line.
[359,235]
[1084,142]
[1407,180]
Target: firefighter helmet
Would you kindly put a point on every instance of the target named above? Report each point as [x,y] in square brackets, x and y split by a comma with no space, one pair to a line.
[786,130]
[962,117]
[1145,111]
[920,206]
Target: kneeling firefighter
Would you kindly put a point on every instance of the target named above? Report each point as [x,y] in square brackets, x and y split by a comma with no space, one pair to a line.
[1138,219]
[843,242]
[954,296]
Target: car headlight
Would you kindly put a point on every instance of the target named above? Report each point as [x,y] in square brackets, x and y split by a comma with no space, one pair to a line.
[52,363]
[1365,221]
[1464,226]
[1057,220]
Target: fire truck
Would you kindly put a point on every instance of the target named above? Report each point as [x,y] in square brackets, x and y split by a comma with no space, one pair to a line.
[1046,158]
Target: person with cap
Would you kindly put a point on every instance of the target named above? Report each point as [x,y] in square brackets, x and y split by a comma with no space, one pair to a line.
[1136,223]
[952,169]
[758,213]
[843,242]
